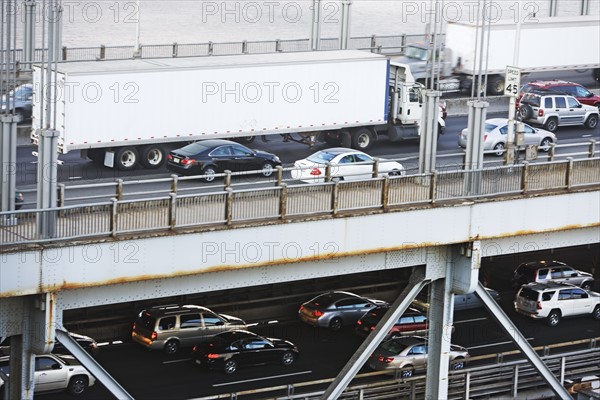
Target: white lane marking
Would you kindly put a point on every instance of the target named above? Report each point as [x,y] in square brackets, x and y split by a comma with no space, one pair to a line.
[262,379]
[494,344]
[75,177]
[470,320]
[177,361]
[586,136]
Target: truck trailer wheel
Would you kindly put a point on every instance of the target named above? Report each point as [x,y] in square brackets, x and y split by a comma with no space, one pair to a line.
[152,156]
[126,158]
[362,139]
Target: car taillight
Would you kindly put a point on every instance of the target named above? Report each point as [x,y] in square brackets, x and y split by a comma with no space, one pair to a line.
[195,348]
[188,161]
[359,322]
[154,335]
[315,172]
[539,305]
[133,328]
[170,157]
[386,360]
[484,138]
[318,313]
[540,112]
[212,355]
[373,328]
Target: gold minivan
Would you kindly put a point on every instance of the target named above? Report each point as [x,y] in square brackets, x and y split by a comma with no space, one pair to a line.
[171,327]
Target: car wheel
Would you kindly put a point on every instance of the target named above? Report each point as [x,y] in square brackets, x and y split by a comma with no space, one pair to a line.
[335,324]
[586,285]
[458,363]
[546,144]
[78,385]
[553,318]
[152,156]
[209,174]
[591,122]
[267,169]
[596,313]
[499,149]
[337,179]
[551,125]
[395,172]
[362,139]
[288,358]
[496,86]
[407,371]
[171,347]
[245,139]
[230,366]
[525,111]
[126,158]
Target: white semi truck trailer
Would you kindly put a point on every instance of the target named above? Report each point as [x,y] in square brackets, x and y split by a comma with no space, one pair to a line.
[546,44]
[124,113]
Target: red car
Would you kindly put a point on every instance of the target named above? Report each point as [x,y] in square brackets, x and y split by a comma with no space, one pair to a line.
[583,95]
[412,322]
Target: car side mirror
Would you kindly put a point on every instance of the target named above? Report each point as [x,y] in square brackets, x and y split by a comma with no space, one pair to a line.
[56,366]
[579,105]
[219,323]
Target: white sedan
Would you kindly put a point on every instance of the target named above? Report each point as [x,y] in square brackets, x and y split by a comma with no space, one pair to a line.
[496,129]
[346,164]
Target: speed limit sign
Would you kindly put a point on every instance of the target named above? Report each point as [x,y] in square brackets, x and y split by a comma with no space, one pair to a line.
[512,81]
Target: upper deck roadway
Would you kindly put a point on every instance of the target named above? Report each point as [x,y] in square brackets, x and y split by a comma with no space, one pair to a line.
[138,249]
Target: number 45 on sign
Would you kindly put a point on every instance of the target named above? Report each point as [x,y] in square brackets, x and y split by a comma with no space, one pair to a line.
[513,81]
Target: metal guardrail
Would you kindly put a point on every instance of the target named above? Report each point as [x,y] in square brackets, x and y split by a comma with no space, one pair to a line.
[229,206]
[498,379]
[381,44]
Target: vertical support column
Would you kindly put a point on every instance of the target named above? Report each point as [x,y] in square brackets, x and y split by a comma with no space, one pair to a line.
[315,31]
[47,182]
[452,269]
[474,151]
[585,7]
[429,132]
[345,25]
[29,34]
[8,166]
[553,8]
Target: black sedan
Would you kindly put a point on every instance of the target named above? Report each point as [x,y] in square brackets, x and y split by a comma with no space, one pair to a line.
[229,350]
[210,157]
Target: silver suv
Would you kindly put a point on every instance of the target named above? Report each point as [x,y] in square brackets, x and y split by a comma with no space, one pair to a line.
[552,110]
[551,271]
[553,301]
[171,327]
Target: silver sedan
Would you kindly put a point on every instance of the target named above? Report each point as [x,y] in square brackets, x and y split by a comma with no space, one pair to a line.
[496,130]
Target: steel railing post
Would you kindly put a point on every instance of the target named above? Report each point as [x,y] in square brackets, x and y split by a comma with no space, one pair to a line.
[172,210]
[525,177]
[334,198]
[119,189]
[210,48]
[433,186]
[279,175]
[385,193]
[113,217]
[175,51]
[375,168]
[328,173]
[228,206]
[174,181]
[244,47]
[551,152]
[569,177]
[64,53]
[373,43]
[61,195]
[102,52]
[592,148]
[563,365]
[227,179]
[467,385]
[515,382]
[283,202]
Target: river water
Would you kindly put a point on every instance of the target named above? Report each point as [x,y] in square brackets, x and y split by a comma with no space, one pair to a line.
[115,22]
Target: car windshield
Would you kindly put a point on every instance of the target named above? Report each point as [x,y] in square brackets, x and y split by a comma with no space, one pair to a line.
[393,346]
[490,127]
[322,157]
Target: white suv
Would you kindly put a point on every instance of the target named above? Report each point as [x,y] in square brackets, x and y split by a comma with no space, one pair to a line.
[553,301]
[552,110]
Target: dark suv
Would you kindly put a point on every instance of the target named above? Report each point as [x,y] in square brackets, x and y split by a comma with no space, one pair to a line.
[582,95]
